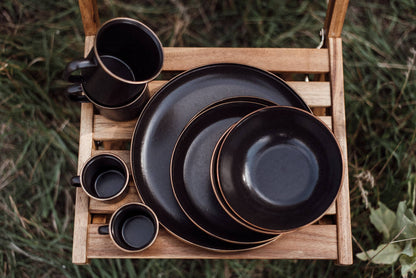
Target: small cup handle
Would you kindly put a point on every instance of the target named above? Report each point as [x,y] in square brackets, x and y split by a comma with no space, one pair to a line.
[77,65]
[76,181]
[74,93]
[103,230]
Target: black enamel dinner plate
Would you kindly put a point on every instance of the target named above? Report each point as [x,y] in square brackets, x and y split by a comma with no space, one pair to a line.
[279,168]
[165,116]
[190,172]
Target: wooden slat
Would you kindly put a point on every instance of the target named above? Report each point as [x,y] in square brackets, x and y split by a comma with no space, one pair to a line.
[108,208]
[82,216]
[315,94]
[311,242]
[327,120]
[81,219]
[89,43]
[99,219]
[332,209]
[339,127]
[105,129]
[303,60]
[89,15]
[335,16]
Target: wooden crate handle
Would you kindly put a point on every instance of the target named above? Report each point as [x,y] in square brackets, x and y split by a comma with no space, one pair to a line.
[89,15]
[334,19]
[335,16]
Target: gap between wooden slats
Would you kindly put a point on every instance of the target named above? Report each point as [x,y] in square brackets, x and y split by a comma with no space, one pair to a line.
[311,242]
[132,196]
[105,129]
[299,60]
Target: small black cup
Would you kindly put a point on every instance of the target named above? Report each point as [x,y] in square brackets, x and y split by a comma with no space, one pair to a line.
[126,56]
[133,227]
[103,177]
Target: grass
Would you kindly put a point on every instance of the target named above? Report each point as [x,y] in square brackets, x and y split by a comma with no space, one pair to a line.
[39,127]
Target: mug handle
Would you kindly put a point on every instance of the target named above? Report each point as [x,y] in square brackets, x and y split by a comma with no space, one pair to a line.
[77,65]
[74,93]
[76,181]
[103,230]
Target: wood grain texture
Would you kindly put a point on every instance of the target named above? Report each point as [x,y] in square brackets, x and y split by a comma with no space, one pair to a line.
[303,60]
[89,43]
[89,15]
[334,21]
[311,242]
[99,219]
[105,129]
[82,216]
[339,128]
[110,207]
[328,17]
[315,94]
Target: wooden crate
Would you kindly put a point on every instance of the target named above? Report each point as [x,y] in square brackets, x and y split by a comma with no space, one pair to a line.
[328,239]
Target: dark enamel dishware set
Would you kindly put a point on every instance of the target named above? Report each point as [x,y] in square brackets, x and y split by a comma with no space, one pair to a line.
[226,157]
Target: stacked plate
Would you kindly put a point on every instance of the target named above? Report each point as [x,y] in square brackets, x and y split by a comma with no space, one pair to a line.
[229,156]
[277,169]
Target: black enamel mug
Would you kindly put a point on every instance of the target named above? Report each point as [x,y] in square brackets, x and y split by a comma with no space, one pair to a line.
[133,227]
[103,177]
[126,56]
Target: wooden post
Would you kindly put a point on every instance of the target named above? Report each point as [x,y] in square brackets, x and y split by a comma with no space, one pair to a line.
[338,126]
[335,16]
[89,14]
[82,216]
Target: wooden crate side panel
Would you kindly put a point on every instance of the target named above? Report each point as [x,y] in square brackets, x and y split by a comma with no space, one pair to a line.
[311,242]
[339,128]
[82,215]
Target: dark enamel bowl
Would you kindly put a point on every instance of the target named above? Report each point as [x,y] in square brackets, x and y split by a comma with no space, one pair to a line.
[279,168]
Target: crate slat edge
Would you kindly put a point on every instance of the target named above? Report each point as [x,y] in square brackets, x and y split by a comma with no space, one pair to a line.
[297,60]
[311,242]
[339,127]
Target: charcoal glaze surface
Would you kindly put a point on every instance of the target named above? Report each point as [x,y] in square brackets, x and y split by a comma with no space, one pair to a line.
[138,231]
[190,172]
[109,183]
[279,168]
[165,116]
[133,227]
